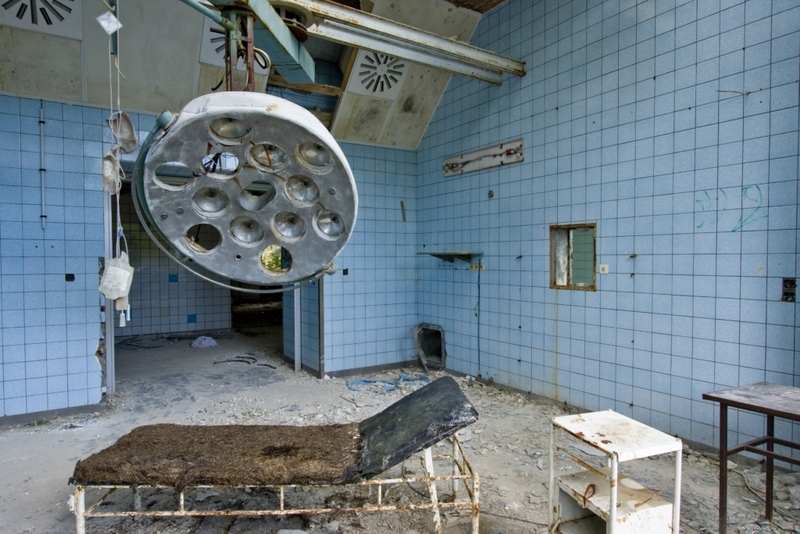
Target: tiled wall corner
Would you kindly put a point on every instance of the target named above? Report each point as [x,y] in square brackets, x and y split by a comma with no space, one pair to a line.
[672,126]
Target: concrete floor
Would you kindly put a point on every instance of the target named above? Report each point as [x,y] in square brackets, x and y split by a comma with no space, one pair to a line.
[168,381]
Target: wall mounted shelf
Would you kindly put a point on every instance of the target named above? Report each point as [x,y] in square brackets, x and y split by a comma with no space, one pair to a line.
[452,255]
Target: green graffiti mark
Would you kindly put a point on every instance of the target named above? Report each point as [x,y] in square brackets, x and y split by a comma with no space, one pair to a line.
[749,211]
[754,215]
[709,204]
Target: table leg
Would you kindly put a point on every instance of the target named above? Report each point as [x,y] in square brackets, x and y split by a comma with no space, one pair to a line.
[676,502]
[80,509]
[723,468]
[612,512]
[552,508]
[770,464]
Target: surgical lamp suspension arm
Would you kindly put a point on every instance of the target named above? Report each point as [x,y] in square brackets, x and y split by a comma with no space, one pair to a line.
[216,16]
[276,185]
[229,20]
[234,40]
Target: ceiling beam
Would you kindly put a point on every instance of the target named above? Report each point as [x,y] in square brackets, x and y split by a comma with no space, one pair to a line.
[321,89]
[357,28]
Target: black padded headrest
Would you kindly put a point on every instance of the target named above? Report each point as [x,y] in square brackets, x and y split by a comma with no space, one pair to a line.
[415,422]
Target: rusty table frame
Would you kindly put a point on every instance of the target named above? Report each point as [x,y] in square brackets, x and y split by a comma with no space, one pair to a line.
[771,400]
[462,473]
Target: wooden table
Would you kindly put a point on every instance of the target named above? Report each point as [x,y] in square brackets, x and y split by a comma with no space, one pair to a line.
[772,400]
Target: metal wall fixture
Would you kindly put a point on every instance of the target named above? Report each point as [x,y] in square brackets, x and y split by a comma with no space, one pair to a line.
[485,158]
[259,191]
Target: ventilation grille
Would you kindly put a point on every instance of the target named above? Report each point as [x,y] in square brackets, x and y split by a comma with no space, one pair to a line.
[54,17]
[49,12]
[378,74]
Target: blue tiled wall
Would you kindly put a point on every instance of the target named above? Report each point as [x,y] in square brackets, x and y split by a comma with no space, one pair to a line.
[674,127]
[50,326]
[309,329]
[165,297]
[370,311]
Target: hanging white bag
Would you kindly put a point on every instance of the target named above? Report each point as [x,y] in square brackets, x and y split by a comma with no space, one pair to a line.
[124,132]
[111,169]
[117,277]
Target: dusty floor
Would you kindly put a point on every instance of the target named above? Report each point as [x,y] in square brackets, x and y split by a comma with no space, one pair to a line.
[168,381]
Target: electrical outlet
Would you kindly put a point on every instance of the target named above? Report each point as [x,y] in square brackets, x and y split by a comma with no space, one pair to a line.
[789,289]
[477,267]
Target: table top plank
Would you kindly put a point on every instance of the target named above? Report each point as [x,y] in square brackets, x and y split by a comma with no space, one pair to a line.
[613,433]
[763,397]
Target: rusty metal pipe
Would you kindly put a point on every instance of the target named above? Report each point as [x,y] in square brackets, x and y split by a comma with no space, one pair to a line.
[210,13]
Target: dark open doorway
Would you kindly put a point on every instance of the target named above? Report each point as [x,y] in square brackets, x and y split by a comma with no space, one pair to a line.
[253,313]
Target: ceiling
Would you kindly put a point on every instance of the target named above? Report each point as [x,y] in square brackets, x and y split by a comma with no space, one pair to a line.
[397,115]
[63,55]
[481,6]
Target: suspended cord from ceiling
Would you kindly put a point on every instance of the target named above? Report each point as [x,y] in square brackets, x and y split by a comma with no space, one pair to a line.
[264,62]
[116,125]
[117,275]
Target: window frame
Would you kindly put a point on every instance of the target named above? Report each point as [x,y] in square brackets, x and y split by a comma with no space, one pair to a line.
[555,229]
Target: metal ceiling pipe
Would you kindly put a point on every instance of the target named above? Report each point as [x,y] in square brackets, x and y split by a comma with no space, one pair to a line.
[216,16]
[389,31]
[365,39]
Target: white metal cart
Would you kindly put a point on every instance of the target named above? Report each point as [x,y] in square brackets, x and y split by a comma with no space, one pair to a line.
[594,499]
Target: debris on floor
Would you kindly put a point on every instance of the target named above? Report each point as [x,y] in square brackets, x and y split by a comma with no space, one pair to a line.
[388,385]
[204,342]
[508,446]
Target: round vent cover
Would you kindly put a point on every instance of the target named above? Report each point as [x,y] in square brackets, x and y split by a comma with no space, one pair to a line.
[379,74]
[46,13]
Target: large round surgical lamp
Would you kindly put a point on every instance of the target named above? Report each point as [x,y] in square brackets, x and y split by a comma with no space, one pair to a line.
[248,186]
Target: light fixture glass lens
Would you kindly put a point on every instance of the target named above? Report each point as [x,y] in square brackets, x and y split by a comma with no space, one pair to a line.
[210,201]
[246,230]
[302,189]
[290,225]
[330,223]
[315,154]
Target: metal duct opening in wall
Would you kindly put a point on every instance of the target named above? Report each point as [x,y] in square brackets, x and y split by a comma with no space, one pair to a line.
[431,347]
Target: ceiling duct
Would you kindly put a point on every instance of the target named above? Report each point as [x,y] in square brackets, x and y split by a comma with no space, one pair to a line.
[296,18]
